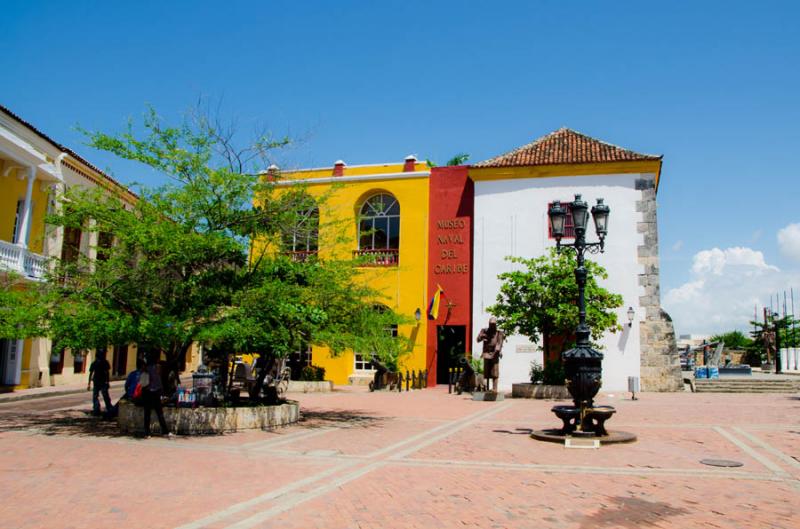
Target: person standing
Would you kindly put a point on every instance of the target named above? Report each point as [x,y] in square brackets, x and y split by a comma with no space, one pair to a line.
[99,375]
[492,339]
[150,379]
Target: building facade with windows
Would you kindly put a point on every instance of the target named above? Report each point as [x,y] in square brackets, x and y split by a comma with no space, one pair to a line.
[378,213]
[34,169]
[513,192]
[450,229]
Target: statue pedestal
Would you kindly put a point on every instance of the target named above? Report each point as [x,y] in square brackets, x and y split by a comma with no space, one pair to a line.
[488,396]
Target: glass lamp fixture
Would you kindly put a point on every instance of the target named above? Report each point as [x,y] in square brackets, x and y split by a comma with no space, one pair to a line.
[557,216]
[600,215]
[580,214]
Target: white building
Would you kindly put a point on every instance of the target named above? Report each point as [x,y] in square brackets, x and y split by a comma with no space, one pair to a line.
[512,195]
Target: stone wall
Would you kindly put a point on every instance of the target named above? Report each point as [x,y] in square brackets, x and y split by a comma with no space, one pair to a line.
[305,386]
[208,420]
[660,360]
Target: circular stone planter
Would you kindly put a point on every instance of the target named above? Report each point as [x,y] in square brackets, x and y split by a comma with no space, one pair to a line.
[207,420]
[303,386]
[526,390]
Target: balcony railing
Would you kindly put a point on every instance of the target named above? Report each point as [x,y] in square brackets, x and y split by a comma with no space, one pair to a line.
[22,261]
[384,257]
[301,256]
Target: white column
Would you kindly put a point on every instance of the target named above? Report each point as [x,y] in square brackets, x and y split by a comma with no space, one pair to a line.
[24,225]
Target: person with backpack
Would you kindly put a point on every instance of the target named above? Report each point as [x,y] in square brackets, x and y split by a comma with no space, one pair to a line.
[132,381]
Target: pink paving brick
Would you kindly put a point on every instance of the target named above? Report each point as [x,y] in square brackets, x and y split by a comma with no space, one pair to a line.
[420,459]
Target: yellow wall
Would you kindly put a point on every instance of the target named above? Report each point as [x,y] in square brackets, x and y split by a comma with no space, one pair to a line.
[404,286]
[13,189]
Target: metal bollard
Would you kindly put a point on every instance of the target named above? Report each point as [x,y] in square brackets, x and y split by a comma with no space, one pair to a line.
[399,381]
[449,380]
[407,379]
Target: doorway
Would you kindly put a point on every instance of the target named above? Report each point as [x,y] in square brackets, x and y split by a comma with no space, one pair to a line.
[120,360]
[451,341]
[10,362]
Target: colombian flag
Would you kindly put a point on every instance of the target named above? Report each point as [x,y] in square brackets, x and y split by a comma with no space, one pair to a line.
[433,308]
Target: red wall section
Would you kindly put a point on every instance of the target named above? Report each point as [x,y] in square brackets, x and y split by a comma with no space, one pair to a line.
[450,253]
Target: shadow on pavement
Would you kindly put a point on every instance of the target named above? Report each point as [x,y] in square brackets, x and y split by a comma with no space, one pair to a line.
[517,431]
[77,423]
[633,513]
[340,418]
[81,423]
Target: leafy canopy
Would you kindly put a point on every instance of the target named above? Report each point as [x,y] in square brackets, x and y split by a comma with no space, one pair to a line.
[182,266]
[539,298]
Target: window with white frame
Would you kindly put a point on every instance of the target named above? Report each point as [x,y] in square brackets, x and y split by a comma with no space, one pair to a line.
[379,223]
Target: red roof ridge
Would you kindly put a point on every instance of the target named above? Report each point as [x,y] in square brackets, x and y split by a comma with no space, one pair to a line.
[565,146]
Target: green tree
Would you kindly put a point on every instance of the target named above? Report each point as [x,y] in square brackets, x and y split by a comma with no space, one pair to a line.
[21,315]
[458,159]
[539,299]
[733,340]
[183,266]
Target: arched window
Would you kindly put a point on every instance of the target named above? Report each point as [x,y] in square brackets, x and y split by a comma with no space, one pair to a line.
[301,240]
[379,229]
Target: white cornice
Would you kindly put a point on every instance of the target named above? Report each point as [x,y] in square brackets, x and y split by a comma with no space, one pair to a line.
[355,178]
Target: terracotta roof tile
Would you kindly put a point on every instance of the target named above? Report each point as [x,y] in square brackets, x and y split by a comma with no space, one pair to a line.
[565,146]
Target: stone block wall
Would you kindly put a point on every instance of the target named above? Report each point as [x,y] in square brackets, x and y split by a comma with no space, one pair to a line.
[660,360]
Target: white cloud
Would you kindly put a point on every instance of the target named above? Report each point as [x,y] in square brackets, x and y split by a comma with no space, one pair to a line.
[723,290]
[789,241]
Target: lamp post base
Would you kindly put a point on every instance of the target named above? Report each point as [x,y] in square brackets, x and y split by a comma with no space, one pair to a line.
[554,435]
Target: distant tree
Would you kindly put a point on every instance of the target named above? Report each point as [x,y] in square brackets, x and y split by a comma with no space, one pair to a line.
[458,159]
[733,340]
[539,299]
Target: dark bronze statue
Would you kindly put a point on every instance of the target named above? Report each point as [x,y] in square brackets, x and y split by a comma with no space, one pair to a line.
[492,339]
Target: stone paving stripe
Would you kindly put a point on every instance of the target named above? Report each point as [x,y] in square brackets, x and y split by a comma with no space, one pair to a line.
[285,439]
[241,506]
[463,423]
[469,419]
[786,458]
[622,471]
[292,500]
[752,453]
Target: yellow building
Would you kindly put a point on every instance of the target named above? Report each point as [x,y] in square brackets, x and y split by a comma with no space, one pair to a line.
[34,169]
[379,211]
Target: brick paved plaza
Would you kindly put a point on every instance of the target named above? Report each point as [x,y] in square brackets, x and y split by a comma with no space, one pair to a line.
[423,459]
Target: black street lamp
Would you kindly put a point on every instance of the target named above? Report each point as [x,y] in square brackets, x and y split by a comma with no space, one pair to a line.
[583,363]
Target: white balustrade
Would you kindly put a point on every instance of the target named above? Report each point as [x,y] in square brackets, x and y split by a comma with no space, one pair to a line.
[20,260]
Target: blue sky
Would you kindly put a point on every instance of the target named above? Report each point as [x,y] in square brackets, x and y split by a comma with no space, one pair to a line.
[714,86]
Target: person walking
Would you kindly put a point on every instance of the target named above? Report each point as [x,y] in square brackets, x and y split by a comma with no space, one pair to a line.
[99,375]
[150,379]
